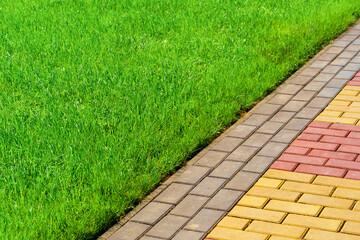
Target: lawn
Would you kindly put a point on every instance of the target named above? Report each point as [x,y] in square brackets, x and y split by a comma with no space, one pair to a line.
[101,99]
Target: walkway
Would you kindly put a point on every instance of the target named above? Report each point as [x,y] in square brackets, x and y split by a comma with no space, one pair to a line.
[288,169]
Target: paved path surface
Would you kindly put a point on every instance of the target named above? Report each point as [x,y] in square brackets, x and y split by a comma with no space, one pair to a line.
[288,169]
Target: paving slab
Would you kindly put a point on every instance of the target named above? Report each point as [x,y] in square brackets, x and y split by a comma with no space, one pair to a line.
[289,168]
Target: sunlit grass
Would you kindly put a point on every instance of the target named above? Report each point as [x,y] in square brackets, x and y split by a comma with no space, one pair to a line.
[100,99]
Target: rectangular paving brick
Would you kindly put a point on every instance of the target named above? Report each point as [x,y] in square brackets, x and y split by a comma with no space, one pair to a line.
[332,154]
[302,159]
[315,86]
[290,89]
[193,175]
[328,92]
[297,150]
[242,181]
[300,80]
[332,69]
[308,113]
[258,214]
[353,175]
[229,233]
[204,220]
[313,222]
[282,116]
[285,136]
[152,212]
[320,170]
[280,99]
[343,164]
[324,77]
[286,166]
[242,153]
[174,193]
[273,193]
[259,164]
[329,132]
[297,124]
[130,231]
[189,206]
[319,102]
[228,144]
[325,201]
[224,200]
[257,140]
[273,149]
[184,234]
[316,145]
[227,169]
[270,127]
[168,226]
[242,131]
[256,120]
[268,109]
[307,188]
[276,229]
[211,159]
[304,95]
[310,71]
[208,186]
[291,207]
[294,106]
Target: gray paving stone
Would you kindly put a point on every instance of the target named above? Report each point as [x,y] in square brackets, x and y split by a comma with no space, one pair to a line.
[167,226]
[331,56]
[188,235]
[227,169]
[189,206]
[268,109]
[347,54]
[308,113]
[208,186]
[352,67]
[310,71]
[273,149]
[152,212]
[224,200]
[354,32]
[348,38]
[242,131]
[353,47]
[150,238]
[356,59]
[211,159]
[340,61]
[256,120]
[319,64]
[258,164]
[335,50]
[257,140]
[193,175]
[174,193]
[332,69]
[282,116]
[357,41]
[242,181]
[315,86]
[130,231]
[280,99]
[304,95]
[204,220]
[329,92]
[319,102]
[345,74]
[293,106]
[297,124]
[285,136]
[339,43]
[290,89]
[270,127]
[228,144]
[336,83]
[324,77]
[242,153]
[300,80]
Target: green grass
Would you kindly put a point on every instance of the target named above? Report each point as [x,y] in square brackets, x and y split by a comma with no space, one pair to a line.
[101,99]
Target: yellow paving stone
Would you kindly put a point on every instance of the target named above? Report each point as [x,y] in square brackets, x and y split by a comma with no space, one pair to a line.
[307,188]
[268,182]
[331,113]
[347,193]
[321,118]
[340,103]
[256,213]
[337,182]
[276,229]
[349,92]
[291,207]
[233,222]
[221,233]
[354,88]
[343,109]
[351,227]
[355,104]
[357,206]
[280,238]
[273,193]
[326,201]
[326,235]
[347,98]
[293,176]
[351,115]
[313,222]
[343,214]
[252,201]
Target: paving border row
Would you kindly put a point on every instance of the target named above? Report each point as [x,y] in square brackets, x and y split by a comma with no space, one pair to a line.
[222,170]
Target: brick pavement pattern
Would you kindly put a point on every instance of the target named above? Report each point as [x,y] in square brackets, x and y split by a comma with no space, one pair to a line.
[280,191]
